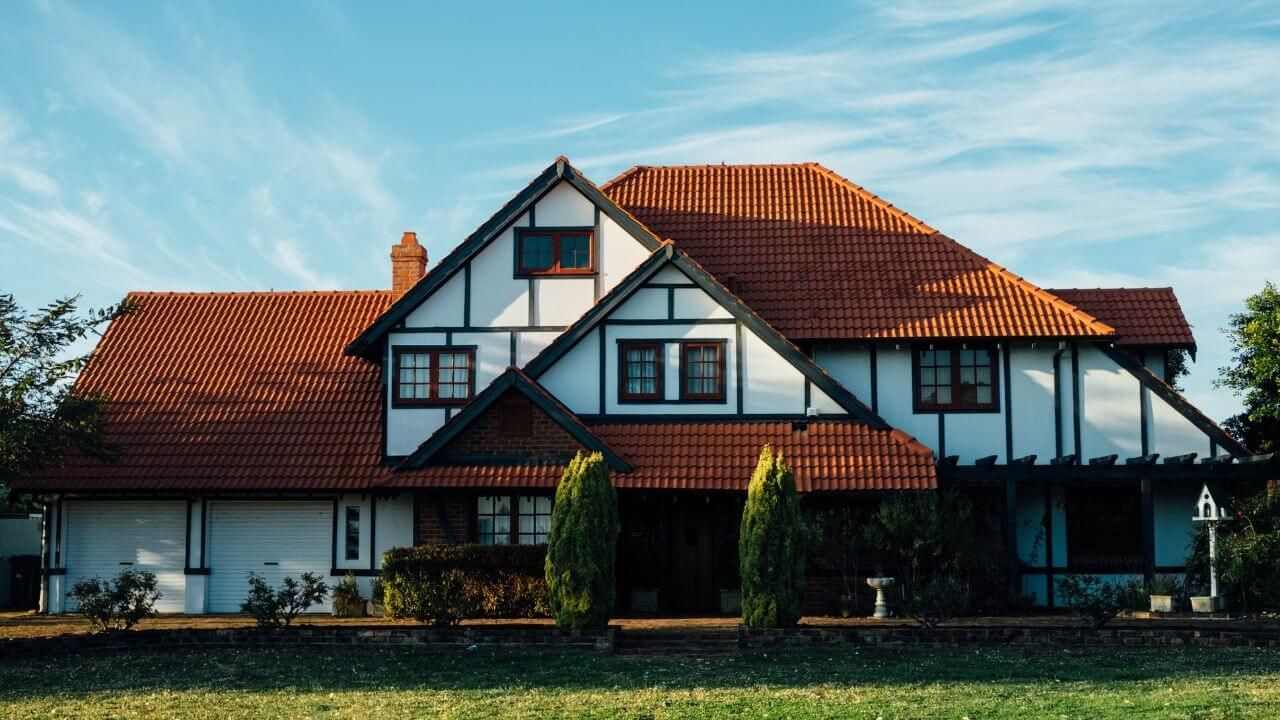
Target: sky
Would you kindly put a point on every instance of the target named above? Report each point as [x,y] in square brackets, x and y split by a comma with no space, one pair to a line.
[286,145]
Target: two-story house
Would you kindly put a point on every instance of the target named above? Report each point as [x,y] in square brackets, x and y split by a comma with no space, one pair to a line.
[674,319]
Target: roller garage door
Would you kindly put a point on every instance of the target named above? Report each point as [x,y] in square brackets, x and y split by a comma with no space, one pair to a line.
[275,539]
[104,537]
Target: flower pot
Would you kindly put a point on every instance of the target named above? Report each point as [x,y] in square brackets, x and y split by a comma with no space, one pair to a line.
[1162,603]
[1207,603]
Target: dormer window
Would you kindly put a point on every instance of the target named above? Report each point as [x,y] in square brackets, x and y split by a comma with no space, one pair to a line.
[429,376]
[555,251]
[955,378]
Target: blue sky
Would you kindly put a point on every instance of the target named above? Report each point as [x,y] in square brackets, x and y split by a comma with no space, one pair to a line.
[284,145]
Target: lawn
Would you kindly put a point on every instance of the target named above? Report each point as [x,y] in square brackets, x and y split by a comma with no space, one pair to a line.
[367,682]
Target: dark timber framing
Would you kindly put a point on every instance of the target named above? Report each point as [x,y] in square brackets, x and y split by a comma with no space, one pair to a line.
[517,380]
[523,202]
[771,337]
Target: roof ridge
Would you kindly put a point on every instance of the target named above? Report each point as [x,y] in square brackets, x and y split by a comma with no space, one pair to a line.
[252,293]
[1111,289]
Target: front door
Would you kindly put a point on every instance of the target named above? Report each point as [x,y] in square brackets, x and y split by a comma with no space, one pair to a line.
[692,585]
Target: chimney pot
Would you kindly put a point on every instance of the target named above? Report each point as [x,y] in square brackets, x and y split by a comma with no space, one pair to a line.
[408,264]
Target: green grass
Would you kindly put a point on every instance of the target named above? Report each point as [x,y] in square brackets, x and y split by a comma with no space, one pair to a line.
[365,682]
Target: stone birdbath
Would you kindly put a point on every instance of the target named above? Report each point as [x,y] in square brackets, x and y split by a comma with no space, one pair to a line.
[880,584]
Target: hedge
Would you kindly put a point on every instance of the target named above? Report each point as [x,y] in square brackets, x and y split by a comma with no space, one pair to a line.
[444,584]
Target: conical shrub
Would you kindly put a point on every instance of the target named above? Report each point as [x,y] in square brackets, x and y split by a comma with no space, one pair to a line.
[582,545]
[771,546]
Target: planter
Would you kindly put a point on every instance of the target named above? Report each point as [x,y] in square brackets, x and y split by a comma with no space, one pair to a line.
[880,584]
[1208,603]
[644,600]
[1162,603]
[731,602]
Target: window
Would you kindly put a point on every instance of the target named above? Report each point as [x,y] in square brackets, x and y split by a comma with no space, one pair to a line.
[702,371]
[352,533]
[499,521]
[433,376]
[534,520]
[955,379]
[1104,528]
[641,373]
[555,251]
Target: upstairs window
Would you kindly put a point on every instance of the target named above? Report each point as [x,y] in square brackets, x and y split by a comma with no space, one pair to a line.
[641,372]
[955,378]
[702,371]
[427,376]
[555,251]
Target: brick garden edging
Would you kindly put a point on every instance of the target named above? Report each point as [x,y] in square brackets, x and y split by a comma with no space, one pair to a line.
[977,635]
[511,636]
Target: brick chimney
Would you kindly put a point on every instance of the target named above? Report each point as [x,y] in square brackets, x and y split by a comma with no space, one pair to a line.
[408,264]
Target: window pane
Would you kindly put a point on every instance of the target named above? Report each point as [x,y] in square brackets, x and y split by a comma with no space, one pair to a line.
[966,395]
[928,396]
[984,375]
[944,395]
[526,524]
[575,252]
[984,394]
[353,533]
[928,376]
[544,504]
[942,358]
[536,252]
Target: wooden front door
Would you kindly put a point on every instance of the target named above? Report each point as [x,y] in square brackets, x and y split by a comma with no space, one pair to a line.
[692,583]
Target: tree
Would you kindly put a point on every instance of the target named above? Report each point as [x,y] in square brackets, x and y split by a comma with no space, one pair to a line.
[1254,375]
[582,545]
[771,546]
[838,535]
[42,414]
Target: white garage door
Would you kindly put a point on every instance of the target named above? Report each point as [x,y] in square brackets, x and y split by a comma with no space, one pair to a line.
[107,536]
[274,539]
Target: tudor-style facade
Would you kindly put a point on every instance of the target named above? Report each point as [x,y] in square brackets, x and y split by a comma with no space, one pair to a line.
[674,319]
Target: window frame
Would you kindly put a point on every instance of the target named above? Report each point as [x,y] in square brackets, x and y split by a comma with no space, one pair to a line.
[513,525]
[955,407]
[686,396]
[659,393]
[348,541]
[557,235]
[397,401]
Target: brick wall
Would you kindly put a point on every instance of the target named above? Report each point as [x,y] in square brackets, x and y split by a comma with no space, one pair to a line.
[513,426]
[457,510]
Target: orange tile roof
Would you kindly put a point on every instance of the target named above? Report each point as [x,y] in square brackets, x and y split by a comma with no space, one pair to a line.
[1141,316]
[827,456]
[235,391]
[252,391]
[822,258]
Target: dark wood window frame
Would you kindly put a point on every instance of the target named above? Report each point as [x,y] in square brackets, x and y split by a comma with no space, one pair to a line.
[435,351]
[513,534]
[685,395]
[953,406]
[1103,528]
[351,533]
[659,393]
[557,235]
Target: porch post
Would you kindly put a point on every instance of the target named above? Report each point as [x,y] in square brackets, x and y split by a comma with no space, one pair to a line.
[1011,534]
[1148,533]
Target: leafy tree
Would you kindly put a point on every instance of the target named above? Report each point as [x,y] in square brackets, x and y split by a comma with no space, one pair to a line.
[42,415]
[1248,553]
[582,545]
[838,534]
[1254,375]
[926,536]
[1176,368]
[771,546]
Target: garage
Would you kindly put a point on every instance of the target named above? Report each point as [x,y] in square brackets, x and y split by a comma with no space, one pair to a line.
[275,539]
[104,537]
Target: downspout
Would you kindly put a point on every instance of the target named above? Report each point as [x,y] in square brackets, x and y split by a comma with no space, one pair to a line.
[1057,399]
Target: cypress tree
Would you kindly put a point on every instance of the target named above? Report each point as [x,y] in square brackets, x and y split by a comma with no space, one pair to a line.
[771,550]
[582,545]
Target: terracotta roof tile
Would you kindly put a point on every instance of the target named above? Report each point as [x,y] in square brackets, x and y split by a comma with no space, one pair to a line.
[1141,316]
[821,258]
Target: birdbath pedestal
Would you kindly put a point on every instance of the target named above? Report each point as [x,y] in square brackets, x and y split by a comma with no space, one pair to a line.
[880,584]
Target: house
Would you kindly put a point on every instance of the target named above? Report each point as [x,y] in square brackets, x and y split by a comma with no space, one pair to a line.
[674,319]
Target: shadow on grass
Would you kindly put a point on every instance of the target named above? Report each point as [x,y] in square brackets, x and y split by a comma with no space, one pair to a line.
[340,669]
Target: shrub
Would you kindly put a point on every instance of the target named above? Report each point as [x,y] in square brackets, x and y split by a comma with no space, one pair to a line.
[116,604]
[376,591]
[582,545]
[277,608]
[444,584]
[1090,598]
[1248,554]
[347,601]
[1167,585]
[771,546]
[937,600]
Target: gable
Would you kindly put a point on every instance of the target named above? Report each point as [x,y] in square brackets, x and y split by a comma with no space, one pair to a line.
[475,285]
[670,301]
[512,427]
